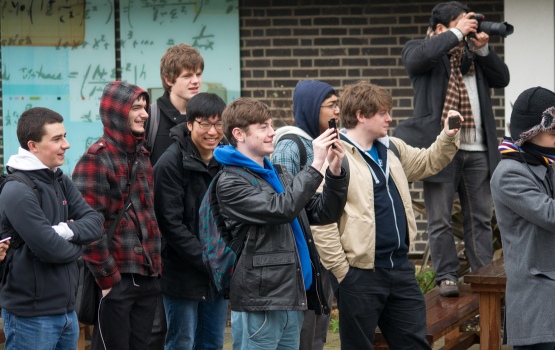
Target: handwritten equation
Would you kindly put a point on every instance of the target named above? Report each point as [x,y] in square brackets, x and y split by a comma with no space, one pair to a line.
[42,22]
[44,82]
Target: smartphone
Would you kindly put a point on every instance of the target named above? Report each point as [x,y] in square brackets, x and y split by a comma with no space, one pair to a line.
[332,125]
[5,239]
[454,122]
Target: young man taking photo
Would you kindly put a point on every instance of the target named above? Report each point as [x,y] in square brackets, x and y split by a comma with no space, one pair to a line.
[277,275]
[367,249]
[314,104]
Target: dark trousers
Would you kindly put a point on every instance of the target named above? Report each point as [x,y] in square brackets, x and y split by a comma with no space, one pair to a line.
[126,313]
[315,327]
[542,346]
[389,298]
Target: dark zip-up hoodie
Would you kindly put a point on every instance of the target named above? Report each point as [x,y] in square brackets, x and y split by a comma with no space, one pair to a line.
[182,178]
[42,275]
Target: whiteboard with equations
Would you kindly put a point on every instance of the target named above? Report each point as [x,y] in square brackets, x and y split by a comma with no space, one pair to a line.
[70,79]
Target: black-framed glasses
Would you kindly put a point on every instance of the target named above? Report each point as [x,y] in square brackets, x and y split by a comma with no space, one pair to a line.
[204,125]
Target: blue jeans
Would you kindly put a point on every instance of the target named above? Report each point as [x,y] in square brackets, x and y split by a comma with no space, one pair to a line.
[263,330]
[57,332]
[198,324]
[471,182]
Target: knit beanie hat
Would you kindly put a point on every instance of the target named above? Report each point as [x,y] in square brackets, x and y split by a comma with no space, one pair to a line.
[533,112]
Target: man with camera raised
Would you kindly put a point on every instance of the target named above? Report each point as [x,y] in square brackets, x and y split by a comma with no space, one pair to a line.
[454,68]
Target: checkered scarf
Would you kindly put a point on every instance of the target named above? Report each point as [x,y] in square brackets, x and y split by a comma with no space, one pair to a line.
[457,96]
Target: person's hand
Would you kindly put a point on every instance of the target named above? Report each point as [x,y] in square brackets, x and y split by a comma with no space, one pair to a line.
[105,292]
[480,40]
[320,146]
[3,248]
[340,279]
[467,25]
[335,157]
[451,132]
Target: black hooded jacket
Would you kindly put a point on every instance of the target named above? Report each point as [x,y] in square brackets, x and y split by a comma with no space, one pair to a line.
[42,276]
[181,179]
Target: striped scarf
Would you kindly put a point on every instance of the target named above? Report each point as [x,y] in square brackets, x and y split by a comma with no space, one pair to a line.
[528,152]
[456,97]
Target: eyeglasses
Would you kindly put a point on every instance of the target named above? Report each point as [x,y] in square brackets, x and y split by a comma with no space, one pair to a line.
[219,126]
[332,105]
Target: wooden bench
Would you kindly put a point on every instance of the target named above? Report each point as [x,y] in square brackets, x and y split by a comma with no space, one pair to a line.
[444,316]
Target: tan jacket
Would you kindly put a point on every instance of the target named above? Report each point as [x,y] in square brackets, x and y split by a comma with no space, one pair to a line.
[352,241]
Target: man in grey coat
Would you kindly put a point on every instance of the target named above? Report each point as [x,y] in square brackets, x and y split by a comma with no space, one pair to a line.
[524,199]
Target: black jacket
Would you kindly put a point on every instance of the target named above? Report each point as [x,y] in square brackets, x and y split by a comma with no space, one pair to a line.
[168,118]
[181,179]
[43,273]
[268,274]
[428,67]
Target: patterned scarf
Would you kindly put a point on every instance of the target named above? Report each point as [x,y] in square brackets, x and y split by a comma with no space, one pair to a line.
[528,152]
[457,96]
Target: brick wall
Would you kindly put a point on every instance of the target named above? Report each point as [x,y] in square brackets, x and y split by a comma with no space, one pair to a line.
[284,41]
[341,41]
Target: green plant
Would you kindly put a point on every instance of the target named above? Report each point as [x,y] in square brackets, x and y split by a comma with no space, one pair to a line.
[334,325]
[425,279]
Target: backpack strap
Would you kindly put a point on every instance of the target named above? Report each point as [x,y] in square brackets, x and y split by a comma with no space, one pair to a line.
[152,126]
[126,204]
[21,176]
[237,244]
[300,145]
[394,149]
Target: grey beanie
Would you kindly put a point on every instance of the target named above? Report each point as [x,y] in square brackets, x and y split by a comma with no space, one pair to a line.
[533,112]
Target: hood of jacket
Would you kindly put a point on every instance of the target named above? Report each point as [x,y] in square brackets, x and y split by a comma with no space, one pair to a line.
[288,130]
[25,161]
[307,99]
[116,102]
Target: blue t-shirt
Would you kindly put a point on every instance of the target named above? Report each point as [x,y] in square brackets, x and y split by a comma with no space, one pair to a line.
[373,152]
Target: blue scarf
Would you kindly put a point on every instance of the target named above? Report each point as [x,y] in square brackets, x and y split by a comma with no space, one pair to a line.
[228,155]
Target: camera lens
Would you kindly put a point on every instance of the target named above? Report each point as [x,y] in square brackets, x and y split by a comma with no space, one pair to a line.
[491,28]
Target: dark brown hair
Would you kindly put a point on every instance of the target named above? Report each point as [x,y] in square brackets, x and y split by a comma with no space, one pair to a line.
[242,113]
[30,126]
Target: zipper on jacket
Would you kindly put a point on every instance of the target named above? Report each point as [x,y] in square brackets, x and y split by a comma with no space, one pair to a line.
[386,175]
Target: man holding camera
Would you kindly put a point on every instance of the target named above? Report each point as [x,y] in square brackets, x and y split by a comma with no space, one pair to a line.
[454,68]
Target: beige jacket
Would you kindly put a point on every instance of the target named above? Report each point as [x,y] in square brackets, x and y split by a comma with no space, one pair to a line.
[352,241]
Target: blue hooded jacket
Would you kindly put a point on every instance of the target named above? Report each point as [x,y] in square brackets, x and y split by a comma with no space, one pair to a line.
[307,99]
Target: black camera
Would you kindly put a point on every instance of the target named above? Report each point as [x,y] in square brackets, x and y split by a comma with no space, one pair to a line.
[491,28]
